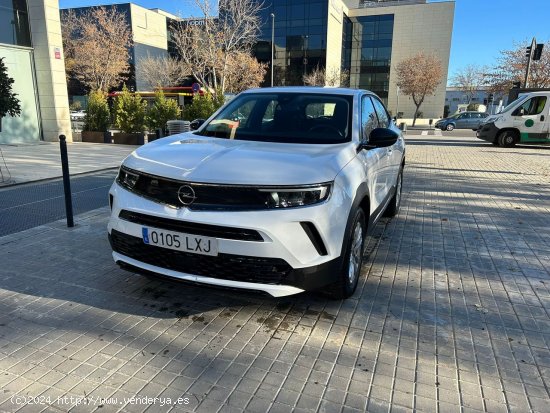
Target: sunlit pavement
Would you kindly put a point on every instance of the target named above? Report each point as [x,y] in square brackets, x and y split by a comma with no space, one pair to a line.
[451,313]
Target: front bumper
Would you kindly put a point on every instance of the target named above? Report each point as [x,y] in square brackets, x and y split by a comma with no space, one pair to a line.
[284,259]
[488,132]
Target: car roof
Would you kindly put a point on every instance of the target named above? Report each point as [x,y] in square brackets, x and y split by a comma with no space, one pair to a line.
[310,89]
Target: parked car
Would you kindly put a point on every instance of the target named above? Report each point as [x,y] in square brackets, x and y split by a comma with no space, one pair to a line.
[280,200]
[78,115]
[525,120]
[464,120]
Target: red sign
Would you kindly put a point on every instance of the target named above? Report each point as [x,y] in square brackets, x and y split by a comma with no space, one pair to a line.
[57,52]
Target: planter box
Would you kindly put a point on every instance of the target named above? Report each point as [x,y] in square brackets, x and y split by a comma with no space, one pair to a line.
[96,137]
[128,138]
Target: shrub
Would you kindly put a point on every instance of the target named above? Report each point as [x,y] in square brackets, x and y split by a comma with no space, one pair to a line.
[162,111]
[9,103]
[97,118]
[203,106]
[76,105]
[129,112]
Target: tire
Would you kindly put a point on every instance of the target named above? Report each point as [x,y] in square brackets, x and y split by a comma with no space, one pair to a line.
[393,207]
[450,127]
[352,259]
[507,139]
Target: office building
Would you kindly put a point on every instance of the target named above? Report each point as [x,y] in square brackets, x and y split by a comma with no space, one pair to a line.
[30,43]
[366,39]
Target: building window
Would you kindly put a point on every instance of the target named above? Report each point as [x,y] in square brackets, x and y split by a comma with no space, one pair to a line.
[371,48]
[14,23]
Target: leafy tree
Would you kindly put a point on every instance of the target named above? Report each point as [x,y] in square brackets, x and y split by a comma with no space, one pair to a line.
[208,51]
[511,67]
[129,112]
[161,71]
[469,80]
[162,111]
[97,118]
[97,47]
[418,77]
[327,77]
[203,106]
[9,103]
[243,72]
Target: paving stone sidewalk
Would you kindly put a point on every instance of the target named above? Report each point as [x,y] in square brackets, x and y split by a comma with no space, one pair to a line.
[26,163]
[451,313]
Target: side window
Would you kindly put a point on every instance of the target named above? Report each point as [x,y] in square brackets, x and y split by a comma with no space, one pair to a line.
[383,117]
[368,117]
[533,106]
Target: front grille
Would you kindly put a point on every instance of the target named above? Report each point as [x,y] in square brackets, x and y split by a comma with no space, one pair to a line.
[224,266]
[206,230]
[208,196]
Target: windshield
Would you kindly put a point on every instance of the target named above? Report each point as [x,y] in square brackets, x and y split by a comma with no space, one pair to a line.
[284,117]
[513,104]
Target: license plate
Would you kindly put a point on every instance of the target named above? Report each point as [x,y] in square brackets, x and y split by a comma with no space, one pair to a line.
[195,244]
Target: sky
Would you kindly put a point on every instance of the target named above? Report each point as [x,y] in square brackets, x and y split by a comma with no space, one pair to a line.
[482,28]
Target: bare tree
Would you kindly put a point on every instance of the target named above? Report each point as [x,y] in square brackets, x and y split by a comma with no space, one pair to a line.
[243,72]
[323,77]
[511,66]
[469,80]
[161,71]
[69,34]
[98,42]
[207,49]
[418,77]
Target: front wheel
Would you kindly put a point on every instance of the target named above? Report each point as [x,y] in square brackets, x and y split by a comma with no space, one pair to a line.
[507,139]
[450,127]
[352,259]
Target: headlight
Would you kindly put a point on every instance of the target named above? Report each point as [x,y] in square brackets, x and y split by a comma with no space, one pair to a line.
[126,178]
[296,197]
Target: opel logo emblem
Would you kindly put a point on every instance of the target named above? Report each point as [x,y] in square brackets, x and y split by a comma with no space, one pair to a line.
[186,195]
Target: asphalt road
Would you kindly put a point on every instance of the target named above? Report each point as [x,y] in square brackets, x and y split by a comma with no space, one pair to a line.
[27,206]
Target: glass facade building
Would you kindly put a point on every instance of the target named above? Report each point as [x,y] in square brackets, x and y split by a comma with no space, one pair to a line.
[14,23]
[370,54]
[300,39]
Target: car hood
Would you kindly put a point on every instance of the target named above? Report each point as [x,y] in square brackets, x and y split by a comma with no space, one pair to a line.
[193,158]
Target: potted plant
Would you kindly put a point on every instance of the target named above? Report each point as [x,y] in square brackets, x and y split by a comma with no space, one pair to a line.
[161,112]
[97,120]
[129,114]
[9,103]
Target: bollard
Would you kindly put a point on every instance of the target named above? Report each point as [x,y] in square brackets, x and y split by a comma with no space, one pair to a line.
[66,180]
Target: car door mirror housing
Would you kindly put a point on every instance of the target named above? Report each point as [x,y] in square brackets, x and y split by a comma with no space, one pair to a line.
[197,123]
[382,137]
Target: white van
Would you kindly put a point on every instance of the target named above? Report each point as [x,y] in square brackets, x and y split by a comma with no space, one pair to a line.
[526,120]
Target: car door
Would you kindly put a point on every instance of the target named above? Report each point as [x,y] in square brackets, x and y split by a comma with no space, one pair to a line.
[391,164]
[531,119]
[372,159]
[462,121]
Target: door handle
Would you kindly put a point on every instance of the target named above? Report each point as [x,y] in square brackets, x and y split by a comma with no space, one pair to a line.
[542,118]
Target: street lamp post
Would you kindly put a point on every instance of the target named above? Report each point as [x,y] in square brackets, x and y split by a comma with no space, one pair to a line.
[272,45]
[397,106]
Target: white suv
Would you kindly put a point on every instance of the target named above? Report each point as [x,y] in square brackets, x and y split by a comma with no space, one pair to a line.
[275,192]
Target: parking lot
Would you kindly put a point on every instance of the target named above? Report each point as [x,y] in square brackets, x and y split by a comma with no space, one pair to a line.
[452,312]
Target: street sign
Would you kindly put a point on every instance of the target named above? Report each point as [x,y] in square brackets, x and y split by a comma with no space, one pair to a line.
[195,87]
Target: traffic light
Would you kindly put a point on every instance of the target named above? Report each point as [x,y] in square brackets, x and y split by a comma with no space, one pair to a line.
[538,51]
[528,51]
[490,98]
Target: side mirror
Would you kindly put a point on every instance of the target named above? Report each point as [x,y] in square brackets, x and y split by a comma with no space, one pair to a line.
[382,137]
[197,123]
[522,112]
